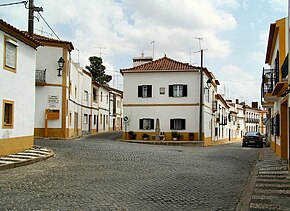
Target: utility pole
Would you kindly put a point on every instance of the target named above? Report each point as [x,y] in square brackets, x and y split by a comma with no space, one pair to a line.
[201,98]
[31,10]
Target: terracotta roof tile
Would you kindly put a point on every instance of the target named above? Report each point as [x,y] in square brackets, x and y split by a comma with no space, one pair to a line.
[47,39]
[21,35]
[164,63]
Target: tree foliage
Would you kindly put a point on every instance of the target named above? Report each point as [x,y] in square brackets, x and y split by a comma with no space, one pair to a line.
[98,70]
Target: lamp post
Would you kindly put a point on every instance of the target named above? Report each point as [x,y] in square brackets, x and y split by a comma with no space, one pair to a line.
[60,65]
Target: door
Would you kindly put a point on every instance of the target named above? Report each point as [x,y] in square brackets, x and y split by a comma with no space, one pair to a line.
[90,123]
[76,124]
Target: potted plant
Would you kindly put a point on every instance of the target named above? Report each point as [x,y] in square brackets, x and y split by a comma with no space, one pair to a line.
[132,135]
[145,136]
[174,135]
[190,136]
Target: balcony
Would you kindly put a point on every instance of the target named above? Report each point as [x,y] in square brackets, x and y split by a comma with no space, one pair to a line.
[270,78]
[40,76]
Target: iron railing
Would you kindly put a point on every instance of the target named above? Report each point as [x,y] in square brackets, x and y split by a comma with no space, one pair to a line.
[40,76]
[270,78]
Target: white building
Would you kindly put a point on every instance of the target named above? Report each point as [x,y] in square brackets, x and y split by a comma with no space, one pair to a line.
[52,88]
[17,93]
[169,91]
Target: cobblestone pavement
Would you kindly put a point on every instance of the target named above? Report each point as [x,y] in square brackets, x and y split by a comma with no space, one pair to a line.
[272,188]
[101,174]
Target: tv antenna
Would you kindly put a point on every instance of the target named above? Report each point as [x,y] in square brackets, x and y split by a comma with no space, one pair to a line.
[100,50]
[153,44]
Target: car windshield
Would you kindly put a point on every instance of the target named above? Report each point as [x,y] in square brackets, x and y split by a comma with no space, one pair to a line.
[252,134]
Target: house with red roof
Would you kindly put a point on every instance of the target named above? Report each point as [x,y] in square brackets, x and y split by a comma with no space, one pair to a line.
[164,95]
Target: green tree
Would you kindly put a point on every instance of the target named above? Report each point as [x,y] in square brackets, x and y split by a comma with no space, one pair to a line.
[98,70]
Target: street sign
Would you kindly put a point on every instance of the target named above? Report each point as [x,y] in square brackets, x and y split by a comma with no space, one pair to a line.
[126,119]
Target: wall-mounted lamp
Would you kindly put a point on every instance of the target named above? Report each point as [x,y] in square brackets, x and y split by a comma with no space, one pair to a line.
[60,65]
[208,84]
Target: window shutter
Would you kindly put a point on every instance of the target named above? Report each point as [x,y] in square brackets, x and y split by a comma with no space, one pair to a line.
[170,90]
[149,91]
[183,124]
[184,90]
[171,124]
[141,124]
[151,123]
[140,94]
[278,125]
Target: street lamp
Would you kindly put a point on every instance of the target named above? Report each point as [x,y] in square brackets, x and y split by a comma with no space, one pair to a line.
[60,65]
[208,83]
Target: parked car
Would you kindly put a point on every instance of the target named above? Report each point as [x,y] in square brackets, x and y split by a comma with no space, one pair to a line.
[253,138]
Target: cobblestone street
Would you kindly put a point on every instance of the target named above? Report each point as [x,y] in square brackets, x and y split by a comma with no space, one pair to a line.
[101,173]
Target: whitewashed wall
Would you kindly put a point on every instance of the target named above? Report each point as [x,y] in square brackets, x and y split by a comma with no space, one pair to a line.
[46,58]
[20,88]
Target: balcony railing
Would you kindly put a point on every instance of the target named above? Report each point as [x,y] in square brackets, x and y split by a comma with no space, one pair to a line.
[270,78]
[40,76]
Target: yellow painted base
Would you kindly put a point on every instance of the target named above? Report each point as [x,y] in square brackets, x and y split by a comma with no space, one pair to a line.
[14,145]
[168,137]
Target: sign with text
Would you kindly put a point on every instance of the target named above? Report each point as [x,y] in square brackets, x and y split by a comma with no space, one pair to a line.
[53,100]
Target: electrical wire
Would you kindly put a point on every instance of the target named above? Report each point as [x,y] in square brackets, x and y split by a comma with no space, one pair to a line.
[13,3]
[48,25]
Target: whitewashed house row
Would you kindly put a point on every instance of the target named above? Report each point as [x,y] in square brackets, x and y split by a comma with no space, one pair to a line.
[69,102]
[17,92]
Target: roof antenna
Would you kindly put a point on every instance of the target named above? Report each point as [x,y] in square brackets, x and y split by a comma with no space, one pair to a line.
[153,42]
[142,53]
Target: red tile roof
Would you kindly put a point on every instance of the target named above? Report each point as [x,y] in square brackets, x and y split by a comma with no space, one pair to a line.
[44,39]
[21,35]
[164,64]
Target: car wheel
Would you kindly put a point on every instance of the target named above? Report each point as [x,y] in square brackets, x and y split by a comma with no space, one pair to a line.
[243,145]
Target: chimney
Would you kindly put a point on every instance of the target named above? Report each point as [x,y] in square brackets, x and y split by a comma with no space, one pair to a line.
[237,101]
[255,105]
[141,60]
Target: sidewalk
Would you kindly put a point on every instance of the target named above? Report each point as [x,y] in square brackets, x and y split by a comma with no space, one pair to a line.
[33,155]
[271,183]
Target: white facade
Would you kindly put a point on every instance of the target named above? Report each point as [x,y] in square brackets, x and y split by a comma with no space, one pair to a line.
[17,93]
[176,111]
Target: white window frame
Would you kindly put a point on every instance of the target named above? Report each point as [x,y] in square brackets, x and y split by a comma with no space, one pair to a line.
[178,90]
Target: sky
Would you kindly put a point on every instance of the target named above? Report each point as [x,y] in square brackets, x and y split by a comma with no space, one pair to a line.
[234,34]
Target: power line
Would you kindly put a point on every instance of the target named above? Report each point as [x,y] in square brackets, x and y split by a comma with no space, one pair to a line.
[13,3]
[48,25]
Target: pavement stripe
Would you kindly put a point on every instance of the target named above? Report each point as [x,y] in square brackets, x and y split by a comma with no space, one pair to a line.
[272,191]
[6,162]
[30,153]
[23,156]
[12,159]
[264,206]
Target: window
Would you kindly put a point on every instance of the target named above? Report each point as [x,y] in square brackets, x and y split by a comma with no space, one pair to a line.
[107,99]
[8,114]
[95,99]
[101,116]
[70,118]
[162,90]
[86,96]
[177,90]
[206,95]
[177,124]
[95,119]
[101,96]
[145,91]
[76,90]
[146,124]
[10,55]
[118,104]
[107,119]
[85,119]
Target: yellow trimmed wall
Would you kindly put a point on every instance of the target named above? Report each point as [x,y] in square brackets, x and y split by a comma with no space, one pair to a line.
[168,136]
[15,145]
[52,132]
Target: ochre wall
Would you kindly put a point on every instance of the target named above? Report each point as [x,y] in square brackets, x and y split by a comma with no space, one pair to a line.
[15,145]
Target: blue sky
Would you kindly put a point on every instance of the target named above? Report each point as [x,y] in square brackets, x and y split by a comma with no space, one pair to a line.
[234,33]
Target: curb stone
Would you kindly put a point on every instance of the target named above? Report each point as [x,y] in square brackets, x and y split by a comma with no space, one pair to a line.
[26,157]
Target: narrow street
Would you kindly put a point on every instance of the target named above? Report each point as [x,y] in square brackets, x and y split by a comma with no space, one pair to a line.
[102,173]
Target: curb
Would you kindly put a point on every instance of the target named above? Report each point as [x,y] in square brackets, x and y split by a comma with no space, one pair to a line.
[29,156]
[169,143]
